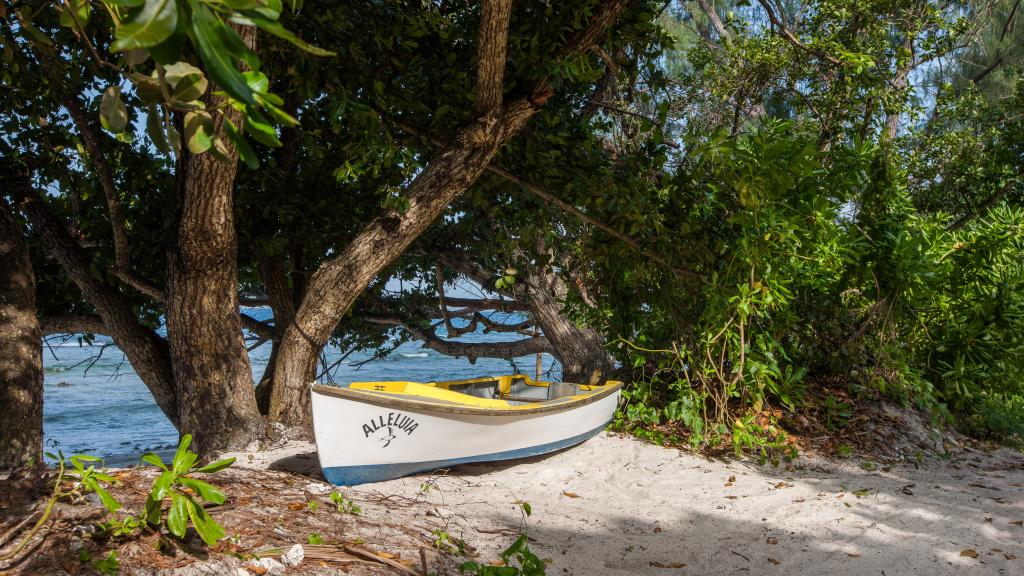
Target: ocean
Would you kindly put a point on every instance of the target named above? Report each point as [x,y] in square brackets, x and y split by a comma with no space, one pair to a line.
[94,403]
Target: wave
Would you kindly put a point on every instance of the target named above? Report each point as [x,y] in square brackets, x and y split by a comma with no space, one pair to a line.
[415,354]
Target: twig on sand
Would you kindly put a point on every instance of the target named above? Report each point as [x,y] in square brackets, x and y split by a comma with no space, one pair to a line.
[367,554]
[740,555]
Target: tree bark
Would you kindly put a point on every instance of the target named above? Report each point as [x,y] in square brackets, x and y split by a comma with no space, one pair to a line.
[21,355]
[490,68]
[216,396]
[275,283]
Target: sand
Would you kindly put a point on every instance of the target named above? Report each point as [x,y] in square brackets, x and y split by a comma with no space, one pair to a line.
[615,505]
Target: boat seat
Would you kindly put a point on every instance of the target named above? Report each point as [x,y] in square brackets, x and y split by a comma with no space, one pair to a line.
[562,389]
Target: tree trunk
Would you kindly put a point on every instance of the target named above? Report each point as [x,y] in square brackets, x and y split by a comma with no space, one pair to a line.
[216,396]
[281,304]
[580,349]
[21,352]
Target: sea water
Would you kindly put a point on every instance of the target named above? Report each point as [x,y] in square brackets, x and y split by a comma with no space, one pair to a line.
[94,402]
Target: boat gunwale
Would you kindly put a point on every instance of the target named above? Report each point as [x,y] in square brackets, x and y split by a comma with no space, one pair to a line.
[381,400]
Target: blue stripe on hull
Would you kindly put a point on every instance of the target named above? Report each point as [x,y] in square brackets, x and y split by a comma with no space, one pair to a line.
[352,475]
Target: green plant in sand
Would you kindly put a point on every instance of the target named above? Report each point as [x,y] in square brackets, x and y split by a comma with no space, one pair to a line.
[186,494]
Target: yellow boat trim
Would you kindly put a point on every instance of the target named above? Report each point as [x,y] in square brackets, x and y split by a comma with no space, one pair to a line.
[428,391]
[441,391]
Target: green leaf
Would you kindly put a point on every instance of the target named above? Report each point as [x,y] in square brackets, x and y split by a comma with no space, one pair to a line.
[270,8]
[182,449]
[169,51]
[147,88]
[136,57]
[216,466]
[104,477]
[261,130]
[198,131]
[151,458]
[280,115]
[527,508]
[219,47]
[184,464]
[146,27]
[242,4]
[257,81]
[177,517]
[220,150]
[113,114]
[155,127]
[208,528]
[187,81]
[152,510]
[277,29]
[81,14]
[205,490]
[174,140]
[517,547]
[245,151]
[160,487]
[109,502]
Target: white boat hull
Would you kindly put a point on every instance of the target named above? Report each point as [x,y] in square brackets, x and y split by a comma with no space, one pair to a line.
[362,439]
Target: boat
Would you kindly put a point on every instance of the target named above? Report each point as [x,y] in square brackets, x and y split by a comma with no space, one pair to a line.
[376,431]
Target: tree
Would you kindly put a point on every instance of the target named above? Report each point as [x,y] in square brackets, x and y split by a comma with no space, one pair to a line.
[338,280]
[160,239]
[21,365]
[201,379]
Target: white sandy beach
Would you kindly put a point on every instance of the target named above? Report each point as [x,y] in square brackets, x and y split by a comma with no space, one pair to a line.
[615,505]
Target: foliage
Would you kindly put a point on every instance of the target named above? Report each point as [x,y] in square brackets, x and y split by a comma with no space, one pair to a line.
[445,542]
[516,560]
[151,39]
[827,242]
[186,494]
[109,565]
[833,193]
[344,505]
[72,483]
[89,479]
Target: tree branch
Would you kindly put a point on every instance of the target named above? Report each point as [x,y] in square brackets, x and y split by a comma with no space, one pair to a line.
[339,280]
[486,304]
[565,207]
[489,326]
[982,209]
[470,350]
[716,22]
[262,329]
[491,55]
[81,324]
[781,28]
[586,39]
